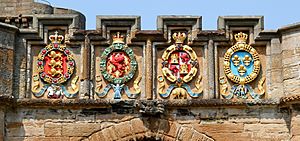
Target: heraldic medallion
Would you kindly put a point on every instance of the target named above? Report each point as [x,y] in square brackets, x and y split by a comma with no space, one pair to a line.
[241,66]
[118,66]
[179,66]
[55,67]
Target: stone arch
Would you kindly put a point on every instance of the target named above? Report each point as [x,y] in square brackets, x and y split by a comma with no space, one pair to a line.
[140,129]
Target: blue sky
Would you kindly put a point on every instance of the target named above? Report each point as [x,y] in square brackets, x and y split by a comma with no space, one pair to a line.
[277,13]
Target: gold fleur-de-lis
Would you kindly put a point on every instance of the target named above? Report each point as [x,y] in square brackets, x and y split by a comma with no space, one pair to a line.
[247,59]
[242,70]
[236,60]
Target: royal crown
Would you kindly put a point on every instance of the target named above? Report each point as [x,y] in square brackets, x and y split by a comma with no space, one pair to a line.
[118,38]
[241,37]
[179,37]
[56,38]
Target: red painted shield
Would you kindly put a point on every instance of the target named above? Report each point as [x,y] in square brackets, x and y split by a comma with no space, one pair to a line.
[55,64]
[118,64]
[179,63]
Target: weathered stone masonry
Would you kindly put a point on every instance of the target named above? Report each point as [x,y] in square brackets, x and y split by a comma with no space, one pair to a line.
[25,28]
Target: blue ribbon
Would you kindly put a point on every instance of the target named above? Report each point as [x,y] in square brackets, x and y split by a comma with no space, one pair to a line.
[67,94]
[190,92]
[105,91]
[129,94]
[42,91]
[252,93]
[168,92]
[230,94]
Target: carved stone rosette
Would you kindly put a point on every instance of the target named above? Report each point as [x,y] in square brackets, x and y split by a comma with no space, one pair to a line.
[118,66]
[241,66]
[179,66]
[55,66]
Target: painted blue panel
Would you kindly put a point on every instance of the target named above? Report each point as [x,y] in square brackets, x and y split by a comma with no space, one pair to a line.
[249,68]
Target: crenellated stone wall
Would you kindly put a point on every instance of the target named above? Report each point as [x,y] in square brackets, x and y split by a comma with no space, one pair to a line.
[59,81]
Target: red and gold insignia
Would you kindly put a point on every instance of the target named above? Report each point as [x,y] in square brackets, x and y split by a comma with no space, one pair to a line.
[55,62]
[179,61]
[179,66]
[118,64]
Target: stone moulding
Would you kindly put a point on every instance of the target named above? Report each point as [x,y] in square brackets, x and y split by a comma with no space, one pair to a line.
[88,103]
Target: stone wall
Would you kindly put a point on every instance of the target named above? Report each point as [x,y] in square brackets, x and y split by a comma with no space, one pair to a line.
[15,6]
[28,113]
[255,123]
[7,45]
[290,60]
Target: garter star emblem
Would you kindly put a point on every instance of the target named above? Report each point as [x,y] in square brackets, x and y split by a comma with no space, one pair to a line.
[55,66]
[241,66]
[118,66]
[179,66]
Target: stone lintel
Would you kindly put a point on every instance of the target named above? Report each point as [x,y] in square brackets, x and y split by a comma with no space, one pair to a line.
[153,35]
[126,25]
[231,24]
[169,24]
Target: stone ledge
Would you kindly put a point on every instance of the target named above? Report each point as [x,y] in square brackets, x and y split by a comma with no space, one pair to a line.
[8,27]
[218,102]
[6,100]
[81,103]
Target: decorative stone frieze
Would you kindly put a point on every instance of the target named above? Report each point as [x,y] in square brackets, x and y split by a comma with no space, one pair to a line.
[59,81]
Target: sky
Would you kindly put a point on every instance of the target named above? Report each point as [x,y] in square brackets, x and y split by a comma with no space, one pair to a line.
[277,13]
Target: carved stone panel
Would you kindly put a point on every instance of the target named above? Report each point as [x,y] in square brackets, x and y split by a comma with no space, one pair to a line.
[241,69]
[118,70]
[54,71]
[178,70]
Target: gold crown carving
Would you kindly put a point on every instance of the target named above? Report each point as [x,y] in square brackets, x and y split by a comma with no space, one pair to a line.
[241,37]
[179,37]
[118,38]
[56,38]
